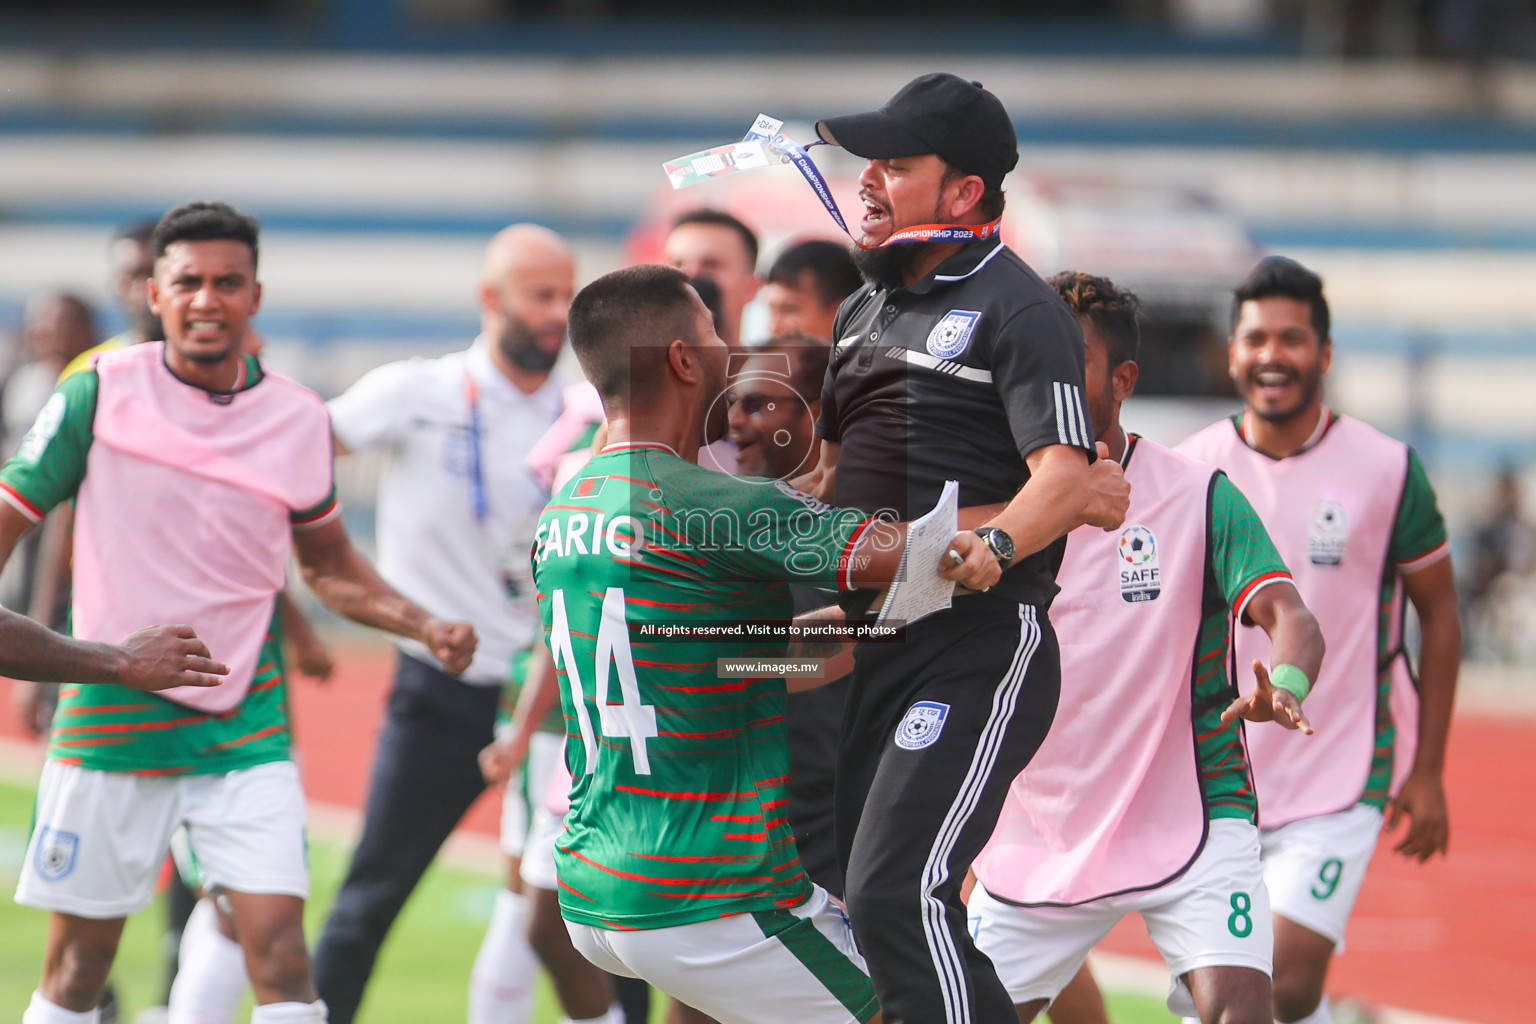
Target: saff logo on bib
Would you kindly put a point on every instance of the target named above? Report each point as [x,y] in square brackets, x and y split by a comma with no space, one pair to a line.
[55,857]
[1327,533]
[952,334]
[922,725]
[1141,578]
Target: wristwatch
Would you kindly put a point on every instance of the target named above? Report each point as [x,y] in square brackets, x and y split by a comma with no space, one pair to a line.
[998,542]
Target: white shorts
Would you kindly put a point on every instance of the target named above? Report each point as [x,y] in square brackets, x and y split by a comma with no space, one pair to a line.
[1314,867]
[101,837]
[538,865]
[523,797]
[798,966]
[1216,914]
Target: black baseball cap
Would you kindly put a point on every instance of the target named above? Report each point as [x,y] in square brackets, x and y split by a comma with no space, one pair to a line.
[936,113]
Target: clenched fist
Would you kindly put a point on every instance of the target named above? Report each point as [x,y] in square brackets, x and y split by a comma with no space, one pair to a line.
[451,643]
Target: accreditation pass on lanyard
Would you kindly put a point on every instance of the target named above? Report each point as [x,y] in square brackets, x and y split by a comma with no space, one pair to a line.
[478,498]
[765,145]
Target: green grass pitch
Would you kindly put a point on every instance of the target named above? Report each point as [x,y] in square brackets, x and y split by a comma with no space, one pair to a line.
[422,973]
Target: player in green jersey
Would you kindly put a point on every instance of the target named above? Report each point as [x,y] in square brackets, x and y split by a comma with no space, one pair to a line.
[677,863]
[194,473]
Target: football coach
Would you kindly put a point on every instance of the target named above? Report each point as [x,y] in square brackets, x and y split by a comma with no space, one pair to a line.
[954,361]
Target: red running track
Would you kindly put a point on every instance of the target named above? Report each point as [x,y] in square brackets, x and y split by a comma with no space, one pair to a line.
[1455,938]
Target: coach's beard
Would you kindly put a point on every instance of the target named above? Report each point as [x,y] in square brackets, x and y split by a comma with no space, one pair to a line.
[886,266]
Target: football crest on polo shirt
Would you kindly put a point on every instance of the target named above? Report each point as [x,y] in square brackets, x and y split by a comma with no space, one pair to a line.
[1141,577]
[55,856]
[922,725]
[1327,533]
[952,334]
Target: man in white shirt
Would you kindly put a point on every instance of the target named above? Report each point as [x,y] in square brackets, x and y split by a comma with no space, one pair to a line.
[457,510]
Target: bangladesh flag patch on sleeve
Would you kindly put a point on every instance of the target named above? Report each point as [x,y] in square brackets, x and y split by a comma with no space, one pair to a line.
[588,487]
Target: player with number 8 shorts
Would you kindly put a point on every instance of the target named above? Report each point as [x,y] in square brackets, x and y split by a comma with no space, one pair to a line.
[678,863]
[1140,800]
[1354,515]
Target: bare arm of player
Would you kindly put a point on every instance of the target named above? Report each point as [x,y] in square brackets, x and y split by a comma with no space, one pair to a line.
[310,654]
[1063,492]
[1422,796]
[541,691]
[837,655]
[877,557]
[820,479]
[345,581]
[156,658]
[1295,639]
[50,592]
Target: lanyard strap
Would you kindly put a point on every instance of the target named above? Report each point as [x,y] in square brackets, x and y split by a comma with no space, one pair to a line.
[477,496]
[918,233]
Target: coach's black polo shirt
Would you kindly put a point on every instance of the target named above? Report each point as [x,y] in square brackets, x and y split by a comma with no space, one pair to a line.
[955,378]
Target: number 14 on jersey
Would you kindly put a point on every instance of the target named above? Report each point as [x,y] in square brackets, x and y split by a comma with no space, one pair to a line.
[630,719]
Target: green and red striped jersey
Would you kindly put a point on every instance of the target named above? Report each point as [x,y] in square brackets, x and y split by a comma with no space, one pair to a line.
[680,776]
[114,729]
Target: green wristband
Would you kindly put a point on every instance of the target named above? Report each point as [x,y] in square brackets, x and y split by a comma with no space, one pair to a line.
[1290,679]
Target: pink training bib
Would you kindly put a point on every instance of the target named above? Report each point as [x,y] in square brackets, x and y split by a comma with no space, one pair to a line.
[1330,511]
[183,516]
[1112,800]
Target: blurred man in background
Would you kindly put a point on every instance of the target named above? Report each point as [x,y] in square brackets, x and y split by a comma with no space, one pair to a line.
[1354,516]
[715,245]
[774,401]
[457,512]
[132,260]
[805,286]
[56,328]
[1498,589]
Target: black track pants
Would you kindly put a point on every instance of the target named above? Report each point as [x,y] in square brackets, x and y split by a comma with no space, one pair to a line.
[426,774]
[937,727]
